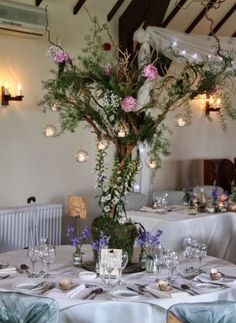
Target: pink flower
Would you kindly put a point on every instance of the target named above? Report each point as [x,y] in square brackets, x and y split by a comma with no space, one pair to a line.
[61,57]
[107,70]
[128,104]
[150,72]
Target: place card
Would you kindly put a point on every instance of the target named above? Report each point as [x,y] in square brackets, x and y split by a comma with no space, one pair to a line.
[113,255]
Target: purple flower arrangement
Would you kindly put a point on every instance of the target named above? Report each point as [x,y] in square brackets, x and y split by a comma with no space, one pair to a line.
[148,242]
[102,242]
[77,241]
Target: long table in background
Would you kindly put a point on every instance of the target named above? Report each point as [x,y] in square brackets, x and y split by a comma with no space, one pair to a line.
[217,230]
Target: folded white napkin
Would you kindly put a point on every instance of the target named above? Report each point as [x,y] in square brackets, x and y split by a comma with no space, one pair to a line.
[73,292]
[8,270]
[224,280]
[173,293]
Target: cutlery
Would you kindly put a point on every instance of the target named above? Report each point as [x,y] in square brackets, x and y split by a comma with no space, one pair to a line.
[93,293]
[141,288]
[227,276]
[135,290]
[48,287]
[212,283]
[4,277]
[41,284]
[188,289]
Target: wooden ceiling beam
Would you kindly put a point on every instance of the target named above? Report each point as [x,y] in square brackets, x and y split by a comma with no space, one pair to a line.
[223,20]
[199,17]
[78,6]
[38,2]
[173,13]
[115,8]
[138,12]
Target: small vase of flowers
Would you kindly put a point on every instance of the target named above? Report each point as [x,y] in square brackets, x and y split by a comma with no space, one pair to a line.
[77,242]
[148,243]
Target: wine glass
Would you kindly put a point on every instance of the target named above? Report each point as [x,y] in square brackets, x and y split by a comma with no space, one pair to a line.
[42,246]
[201,252]
[171,261]
[101,261]
[158,258]
[190,253]
[49,255]
[110,263]
[33,256]
[122,265]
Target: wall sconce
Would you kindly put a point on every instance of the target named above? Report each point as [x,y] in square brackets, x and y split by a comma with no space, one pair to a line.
[6,96]
[212,101]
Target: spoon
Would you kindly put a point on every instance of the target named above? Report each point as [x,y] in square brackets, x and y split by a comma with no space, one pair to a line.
[187,288]
[93,293]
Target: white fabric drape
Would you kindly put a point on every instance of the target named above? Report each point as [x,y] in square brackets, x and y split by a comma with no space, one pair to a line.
[193,47]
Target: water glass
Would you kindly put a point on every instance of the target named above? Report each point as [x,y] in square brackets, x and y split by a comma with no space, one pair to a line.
[33,257]
[123,264]
[171,261]
[110,263]
[42,246]
[49,256]
[201,252]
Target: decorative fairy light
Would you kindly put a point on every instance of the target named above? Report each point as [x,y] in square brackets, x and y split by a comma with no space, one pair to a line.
[151,162]
[50,130]
[55,107]
[82,156]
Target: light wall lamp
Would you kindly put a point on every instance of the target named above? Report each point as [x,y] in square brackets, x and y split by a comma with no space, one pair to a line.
[6,96]
[212,101]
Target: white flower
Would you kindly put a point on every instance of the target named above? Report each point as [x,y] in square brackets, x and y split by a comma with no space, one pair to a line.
[103,199]
[115,200]
[107,208]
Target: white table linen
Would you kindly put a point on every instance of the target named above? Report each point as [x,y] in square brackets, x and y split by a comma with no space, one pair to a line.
[218,231]
[106,308]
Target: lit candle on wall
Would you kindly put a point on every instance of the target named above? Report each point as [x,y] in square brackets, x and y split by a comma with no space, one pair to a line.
[19,90]
[6,89]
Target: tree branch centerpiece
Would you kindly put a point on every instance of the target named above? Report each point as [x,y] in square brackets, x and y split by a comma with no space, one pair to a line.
[104,88]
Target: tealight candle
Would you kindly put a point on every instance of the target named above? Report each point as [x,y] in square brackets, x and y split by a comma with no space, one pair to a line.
[19,90]
[181,122]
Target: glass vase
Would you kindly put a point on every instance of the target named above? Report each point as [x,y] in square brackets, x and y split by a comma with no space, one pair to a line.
[150,265]
[77,258]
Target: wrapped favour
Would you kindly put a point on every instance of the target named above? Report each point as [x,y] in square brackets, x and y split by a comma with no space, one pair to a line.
[164,285]
[214,274]
[66,284]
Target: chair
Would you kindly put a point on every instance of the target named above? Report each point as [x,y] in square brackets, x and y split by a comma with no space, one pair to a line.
[173,197]
[21,308]
[135,201]
[210,312]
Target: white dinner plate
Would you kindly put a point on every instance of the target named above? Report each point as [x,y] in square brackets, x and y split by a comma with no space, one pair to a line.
[124,294]
[29,287]
[207,287]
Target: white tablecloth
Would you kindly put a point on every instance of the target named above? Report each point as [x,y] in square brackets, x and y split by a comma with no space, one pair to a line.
[218,231]
[106,308]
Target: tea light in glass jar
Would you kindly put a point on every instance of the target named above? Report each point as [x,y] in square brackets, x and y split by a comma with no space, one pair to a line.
[81,156]
[122,129]
[102,144]
[50,130]
[151,162]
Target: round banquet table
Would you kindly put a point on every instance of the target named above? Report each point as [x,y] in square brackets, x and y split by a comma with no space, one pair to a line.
[103,307]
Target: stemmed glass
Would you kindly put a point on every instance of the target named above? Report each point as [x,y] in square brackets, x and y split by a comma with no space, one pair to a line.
[190,253]
[110,263]
[101,261]
[201,252]
[42,246]
[33,256]
[123,264]
[158,258]
[171,261]
[49,255]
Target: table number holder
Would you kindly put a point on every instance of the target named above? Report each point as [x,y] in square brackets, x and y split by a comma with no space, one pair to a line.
[117,254]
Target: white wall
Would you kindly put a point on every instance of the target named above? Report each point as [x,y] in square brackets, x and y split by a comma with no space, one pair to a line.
[31,164]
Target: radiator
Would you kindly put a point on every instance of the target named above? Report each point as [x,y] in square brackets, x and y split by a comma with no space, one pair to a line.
[16,225]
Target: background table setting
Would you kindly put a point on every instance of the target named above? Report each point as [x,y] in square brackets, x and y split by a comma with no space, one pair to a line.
[140,287]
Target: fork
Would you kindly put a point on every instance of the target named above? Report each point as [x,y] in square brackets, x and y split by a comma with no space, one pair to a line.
[4,277]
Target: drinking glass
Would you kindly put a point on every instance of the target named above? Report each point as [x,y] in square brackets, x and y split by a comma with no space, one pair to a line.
[190,253]
[201,252]
[49,256]
[158,258]
[123,264]
[171,261]
[101,262]
[33,256]
[42,246]
[110,264]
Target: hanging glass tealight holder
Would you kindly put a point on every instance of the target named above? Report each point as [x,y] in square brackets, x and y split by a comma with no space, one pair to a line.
[151,162]
[50,130]
[81,156]
[55,106]
[102,144]
[122,129]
